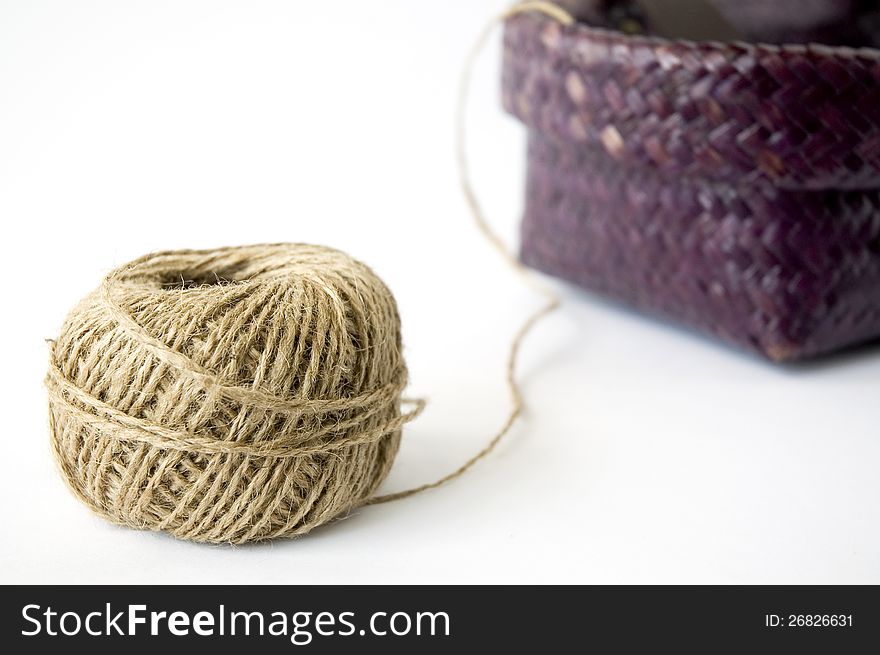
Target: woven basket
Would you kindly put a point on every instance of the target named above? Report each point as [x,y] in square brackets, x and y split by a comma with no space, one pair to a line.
[732,187]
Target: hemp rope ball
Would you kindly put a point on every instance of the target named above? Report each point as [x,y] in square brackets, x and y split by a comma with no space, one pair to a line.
[229,395]
[248,393]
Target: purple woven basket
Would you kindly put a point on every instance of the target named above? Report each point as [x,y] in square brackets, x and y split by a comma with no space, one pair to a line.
[732,187]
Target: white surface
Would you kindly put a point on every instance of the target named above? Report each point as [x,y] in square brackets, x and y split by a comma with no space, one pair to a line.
[648,454]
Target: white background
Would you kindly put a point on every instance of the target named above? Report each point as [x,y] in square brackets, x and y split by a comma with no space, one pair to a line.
[648,454]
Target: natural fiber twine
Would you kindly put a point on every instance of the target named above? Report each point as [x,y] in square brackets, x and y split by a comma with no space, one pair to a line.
[243,394]
[230,395]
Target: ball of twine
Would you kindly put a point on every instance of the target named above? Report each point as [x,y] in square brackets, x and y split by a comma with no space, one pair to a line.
[229,395]
[248,393]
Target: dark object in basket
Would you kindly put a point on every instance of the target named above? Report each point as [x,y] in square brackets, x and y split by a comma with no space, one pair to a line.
[732,187]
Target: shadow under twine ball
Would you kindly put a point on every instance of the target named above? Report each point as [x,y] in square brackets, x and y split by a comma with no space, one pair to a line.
[229,395]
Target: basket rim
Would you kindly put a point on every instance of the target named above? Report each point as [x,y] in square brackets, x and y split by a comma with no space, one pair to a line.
[581,29]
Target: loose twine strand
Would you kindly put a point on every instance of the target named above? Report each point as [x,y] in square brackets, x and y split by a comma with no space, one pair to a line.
[482,222]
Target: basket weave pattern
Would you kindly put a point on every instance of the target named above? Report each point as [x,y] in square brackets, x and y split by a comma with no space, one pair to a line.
[735,188]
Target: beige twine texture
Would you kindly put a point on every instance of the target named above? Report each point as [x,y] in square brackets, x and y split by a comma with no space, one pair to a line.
[230,395]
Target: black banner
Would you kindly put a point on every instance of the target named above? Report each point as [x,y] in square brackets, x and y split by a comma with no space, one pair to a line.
[439,619]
